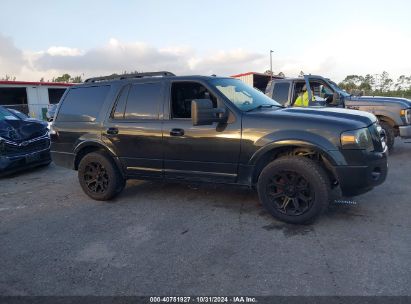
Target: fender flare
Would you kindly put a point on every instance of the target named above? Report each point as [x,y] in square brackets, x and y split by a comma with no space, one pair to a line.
[335,157]
[97,144]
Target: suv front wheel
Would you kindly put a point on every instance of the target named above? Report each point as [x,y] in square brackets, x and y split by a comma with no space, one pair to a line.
[294,189]
[99,177]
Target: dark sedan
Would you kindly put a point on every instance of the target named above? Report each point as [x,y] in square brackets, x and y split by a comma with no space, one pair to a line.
[23,143]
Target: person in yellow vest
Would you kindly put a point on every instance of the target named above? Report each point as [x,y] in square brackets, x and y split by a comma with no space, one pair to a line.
[303,99]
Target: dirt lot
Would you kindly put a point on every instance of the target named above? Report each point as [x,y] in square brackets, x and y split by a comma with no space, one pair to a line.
[178,239]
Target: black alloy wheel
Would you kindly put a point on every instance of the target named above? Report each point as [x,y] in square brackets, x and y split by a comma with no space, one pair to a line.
[294,189]
[99,176]
[290,193]
[96,177]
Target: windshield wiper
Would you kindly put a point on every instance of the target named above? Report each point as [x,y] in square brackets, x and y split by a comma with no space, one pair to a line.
[264,106]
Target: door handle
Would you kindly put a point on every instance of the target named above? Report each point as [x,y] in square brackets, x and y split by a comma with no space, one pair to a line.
[176,132]
[112,131]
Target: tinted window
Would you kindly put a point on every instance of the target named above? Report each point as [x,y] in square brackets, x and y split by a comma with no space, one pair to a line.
[280,93]
[118,112]
[143,101]
[83,104]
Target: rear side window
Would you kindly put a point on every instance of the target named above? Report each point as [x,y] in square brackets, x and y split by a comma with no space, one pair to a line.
[83,103]
[280,93]
[120,107]
[143,101]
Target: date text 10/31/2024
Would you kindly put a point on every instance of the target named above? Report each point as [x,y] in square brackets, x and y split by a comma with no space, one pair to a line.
[239,299]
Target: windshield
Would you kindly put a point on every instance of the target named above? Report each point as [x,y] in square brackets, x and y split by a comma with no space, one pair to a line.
[19,114]
[241,95]
[338,89]
[7,115]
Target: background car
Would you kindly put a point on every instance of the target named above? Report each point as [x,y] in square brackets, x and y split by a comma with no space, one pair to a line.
[24,143]
[24,116]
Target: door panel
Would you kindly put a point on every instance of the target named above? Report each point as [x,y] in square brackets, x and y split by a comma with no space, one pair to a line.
[138,145]
[203,152]
[134,129]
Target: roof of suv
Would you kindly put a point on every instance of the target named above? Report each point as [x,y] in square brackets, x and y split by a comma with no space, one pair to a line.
[144,76]
[296,78]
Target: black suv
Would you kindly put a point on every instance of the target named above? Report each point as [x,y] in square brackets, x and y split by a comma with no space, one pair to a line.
[213,129]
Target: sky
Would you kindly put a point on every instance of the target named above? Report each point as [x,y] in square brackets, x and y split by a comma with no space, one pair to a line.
[44,39]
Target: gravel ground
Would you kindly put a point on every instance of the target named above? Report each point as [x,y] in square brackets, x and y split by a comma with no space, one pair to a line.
[179,239]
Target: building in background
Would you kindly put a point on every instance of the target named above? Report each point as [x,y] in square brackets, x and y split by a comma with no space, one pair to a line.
[256,80]
[32,98]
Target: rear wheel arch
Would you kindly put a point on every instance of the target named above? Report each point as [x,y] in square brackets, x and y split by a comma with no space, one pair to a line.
[87,148]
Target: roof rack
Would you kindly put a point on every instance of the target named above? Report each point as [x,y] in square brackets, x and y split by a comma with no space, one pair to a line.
[127,76]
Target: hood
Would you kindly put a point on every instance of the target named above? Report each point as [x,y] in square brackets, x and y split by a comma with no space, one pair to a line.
[406,103]
[18,130]
[346,119]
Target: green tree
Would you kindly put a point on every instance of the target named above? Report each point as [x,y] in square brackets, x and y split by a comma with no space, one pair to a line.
[385,82]
[67,78]
[76,79]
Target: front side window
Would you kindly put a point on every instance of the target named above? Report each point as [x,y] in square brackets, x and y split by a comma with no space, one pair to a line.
[281,92]
[182,93]
[241,95]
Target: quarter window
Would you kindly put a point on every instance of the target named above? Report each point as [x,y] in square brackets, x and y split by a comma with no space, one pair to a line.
[83,103]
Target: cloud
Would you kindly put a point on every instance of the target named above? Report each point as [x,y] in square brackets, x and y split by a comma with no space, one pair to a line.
[116,56]
[228,62]
[355,49]
[11,58]
[63,51]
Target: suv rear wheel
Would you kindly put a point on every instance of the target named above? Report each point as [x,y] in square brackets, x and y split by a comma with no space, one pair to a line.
[294,189]
[99,177]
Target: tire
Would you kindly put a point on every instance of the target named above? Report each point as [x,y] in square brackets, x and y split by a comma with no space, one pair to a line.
[389,134]
[99,176]
[121,185]
[294,189]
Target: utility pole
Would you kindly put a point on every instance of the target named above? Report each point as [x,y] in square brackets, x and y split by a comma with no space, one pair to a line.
[271,63]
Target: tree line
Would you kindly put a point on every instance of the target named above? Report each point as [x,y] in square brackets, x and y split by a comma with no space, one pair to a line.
[370,84]
[377,84]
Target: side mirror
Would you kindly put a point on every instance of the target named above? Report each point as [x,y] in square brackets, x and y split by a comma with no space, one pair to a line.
[203,113]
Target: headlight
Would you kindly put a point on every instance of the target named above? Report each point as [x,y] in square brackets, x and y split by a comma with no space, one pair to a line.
[357,139]
[406,114]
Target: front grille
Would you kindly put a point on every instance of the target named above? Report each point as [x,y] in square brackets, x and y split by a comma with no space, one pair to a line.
[34,145]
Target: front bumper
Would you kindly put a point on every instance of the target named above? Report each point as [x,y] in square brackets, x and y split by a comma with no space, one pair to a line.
[405,131]
[364,171]
[11,164]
